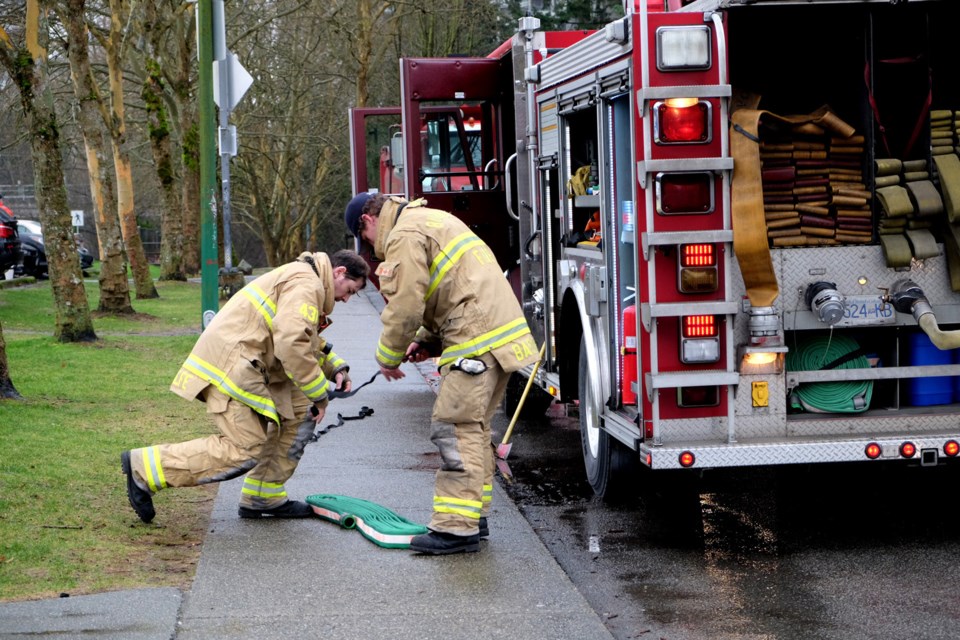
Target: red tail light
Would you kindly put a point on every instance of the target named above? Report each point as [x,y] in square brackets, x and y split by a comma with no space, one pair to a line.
[688,397]
[682,121]
[951,448]
[697,255]
[873,450]
[6,232]
[908,450]
[684,193]
[687,459]
[700,327]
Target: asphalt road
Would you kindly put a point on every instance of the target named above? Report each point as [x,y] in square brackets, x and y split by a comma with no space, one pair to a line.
[837,552]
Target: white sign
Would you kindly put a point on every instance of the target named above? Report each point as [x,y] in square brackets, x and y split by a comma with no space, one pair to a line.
[77,216]
[238,80]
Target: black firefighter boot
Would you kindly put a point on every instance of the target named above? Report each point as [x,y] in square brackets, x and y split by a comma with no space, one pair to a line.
[139,498]
[289,509]
[437,543]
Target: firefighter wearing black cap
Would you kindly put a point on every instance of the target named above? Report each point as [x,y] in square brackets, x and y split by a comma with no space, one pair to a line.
[259,365]
[447,296]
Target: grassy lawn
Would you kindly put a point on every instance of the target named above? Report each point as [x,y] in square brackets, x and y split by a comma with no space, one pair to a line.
[65,524]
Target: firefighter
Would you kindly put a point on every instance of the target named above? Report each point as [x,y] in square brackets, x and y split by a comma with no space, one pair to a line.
[260,365]
[447,297]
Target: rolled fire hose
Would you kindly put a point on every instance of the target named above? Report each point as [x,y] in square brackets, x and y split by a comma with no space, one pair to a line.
[375,522]
[843,396]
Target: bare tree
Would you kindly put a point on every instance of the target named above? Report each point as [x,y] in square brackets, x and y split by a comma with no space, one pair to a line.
[7,390]
[91,113]
[26,63]
[160,126]
[114,43]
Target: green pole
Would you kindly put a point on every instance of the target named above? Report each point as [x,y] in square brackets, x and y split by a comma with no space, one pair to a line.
[209,269]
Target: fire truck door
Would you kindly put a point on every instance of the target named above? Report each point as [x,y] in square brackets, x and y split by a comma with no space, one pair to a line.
[376,145]
[458,128]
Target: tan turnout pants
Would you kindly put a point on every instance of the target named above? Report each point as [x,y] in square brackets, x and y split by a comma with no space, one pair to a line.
[463,488]
[247,443]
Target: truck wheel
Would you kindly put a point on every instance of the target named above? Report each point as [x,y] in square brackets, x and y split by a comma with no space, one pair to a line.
[611,467]
[536,404]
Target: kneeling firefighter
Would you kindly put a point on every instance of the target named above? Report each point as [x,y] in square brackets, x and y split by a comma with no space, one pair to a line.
[447,296]
[260,366]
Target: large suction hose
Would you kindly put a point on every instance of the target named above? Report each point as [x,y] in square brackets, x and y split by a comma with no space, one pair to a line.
[907,297]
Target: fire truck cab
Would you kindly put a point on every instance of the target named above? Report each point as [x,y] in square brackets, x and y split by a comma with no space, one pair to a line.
[734,223]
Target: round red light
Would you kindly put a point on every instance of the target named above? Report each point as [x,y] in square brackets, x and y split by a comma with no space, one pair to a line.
[951,448]
[687,459]
[908,450]
[873,450]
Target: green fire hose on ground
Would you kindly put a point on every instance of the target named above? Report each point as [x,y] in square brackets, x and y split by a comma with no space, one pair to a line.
[376,523]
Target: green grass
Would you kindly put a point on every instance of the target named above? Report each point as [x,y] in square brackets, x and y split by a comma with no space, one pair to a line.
[65,524]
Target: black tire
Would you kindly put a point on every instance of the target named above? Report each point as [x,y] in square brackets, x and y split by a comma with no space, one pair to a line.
[612,468]
[536,404]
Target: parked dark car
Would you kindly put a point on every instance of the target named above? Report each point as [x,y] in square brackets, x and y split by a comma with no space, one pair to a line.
[34,260]
[9,240]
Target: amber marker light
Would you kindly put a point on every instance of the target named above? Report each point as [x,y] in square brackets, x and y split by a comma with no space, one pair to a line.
[951,448]
[908,450]
[873,450]
[687,459]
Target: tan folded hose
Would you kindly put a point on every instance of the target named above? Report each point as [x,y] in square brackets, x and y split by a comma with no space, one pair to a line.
[750,244]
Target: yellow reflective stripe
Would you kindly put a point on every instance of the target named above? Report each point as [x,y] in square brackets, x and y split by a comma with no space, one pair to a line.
[487,493]
[261,489]
[468,508]
[316,389]
[334,360]
[152,470]
[483,343]
[260,300]
[206,371]
[388,356]
[448,257]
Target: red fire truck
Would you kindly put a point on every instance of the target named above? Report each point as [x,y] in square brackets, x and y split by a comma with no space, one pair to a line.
[734,223]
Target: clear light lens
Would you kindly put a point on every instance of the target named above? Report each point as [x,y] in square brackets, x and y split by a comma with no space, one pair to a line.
[683,48]
[700,351]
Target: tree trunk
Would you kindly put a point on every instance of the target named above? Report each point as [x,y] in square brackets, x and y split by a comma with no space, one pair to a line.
[114,287]
[27,67]
[171,221]
[191,189]
[121,159]
[7,390]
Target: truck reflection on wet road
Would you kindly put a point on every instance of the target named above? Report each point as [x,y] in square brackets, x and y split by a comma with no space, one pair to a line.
[833,551]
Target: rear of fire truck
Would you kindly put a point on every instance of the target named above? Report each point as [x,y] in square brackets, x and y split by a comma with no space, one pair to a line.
[743,248]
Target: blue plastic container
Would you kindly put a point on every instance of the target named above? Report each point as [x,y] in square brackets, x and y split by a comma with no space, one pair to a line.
[922,392]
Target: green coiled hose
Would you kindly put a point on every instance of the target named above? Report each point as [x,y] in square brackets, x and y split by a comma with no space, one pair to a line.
[811,354]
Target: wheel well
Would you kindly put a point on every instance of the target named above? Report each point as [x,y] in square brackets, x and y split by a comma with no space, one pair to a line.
[569,334]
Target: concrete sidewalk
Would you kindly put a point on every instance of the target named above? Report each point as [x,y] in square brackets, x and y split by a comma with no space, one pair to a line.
[313,579]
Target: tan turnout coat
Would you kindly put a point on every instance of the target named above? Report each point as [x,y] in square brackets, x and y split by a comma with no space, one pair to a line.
[439,278]
[265,344]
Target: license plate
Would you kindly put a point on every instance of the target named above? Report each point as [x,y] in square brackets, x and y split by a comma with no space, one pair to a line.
[867,310]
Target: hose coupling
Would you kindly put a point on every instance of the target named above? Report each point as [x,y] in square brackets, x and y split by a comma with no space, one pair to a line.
[906,296]
[825,302]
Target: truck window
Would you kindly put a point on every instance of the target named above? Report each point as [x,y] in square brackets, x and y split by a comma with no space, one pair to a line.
[454,155]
